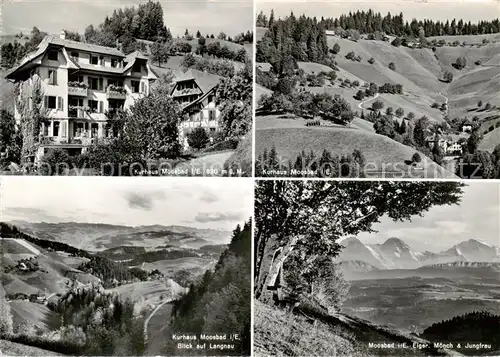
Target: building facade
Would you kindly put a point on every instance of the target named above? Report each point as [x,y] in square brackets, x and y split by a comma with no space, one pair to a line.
[83,87]
[196,93]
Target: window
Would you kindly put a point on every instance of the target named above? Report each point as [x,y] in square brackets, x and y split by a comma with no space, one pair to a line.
[75,56]
[51,102]
[135,86]
[94,130]
[96,83]
[114,62]
[93,105]
[101,60]
[76,78]
[55,128]
[94,59]
[53,55]
[53,77]
[137,67]
[211,115]
[210,98]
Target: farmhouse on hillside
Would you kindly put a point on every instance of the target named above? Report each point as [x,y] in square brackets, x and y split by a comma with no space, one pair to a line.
[195,91]
[450,144]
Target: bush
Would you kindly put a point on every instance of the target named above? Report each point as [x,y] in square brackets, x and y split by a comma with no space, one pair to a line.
[55,162]
[460,63]
[198,138]
[351,56]
[416,158]
[371,60]
[230,144]
[478,63]
[396,42]
[392,66]
[355,83]
[448,77]
[336,48]
[435,105]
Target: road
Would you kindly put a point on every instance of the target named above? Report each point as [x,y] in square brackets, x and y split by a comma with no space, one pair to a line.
[207,165]
[146,323]
[360,105]
[446,100]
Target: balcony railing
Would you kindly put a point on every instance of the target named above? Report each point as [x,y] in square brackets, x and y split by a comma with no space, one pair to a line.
[76,113]
[116,92]
[77,89]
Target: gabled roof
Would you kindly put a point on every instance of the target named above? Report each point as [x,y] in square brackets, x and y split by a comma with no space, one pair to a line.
[205,81]
[81,46]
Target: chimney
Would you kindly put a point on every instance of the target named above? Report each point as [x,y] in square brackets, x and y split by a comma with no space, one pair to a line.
[63,35]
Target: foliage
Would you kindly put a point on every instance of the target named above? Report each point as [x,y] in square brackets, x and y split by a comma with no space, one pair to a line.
[473,326]
[160,52]
[448,77]
[55,162]
[416,158]
[392,66]
[310,216]
[198,138]
[223,68]
[10,140]
[460,63]
[220,302]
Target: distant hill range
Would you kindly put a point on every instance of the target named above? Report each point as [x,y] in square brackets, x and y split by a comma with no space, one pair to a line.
[394,256]
[98,237]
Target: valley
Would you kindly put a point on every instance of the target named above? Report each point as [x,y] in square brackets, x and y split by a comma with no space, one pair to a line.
[150,267]
[392,92]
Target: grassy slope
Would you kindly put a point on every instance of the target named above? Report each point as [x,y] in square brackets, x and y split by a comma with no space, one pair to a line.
[36,314]
[490,140]
[277,333]
[16,349]
[378,150]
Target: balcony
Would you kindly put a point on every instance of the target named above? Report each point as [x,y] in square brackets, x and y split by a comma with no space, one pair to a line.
[78,89]
[76,112]
[116,92]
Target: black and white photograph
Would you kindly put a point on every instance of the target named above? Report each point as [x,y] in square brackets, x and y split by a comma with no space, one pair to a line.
[376,268]
[126,88]
[378,89]
[94,266]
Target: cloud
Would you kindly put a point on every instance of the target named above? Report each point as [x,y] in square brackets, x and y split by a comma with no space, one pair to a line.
[143,200]
[209,197]
[205,217]
[29,213]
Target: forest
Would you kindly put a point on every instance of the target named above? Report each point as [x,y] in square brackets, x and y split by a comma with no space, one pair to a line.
[221,301]
[473,327]
[368,22]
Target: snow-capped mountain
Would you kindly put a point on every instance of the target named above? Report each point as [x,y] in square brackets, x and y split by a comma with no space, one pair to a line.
[394,253]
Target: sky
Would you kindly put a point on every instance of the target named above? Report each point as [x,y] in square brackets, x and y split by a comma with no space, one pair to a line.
[52,16]
[216,203]
[471,10]
[476,217]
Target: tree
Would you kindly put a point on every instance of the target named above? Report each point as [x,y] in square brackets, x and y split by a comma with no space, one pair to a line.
[420,131]
[389,111]
[392,66]
[6,324]
[396,42]
[480,104]
[377,105]
[222,36]
[198,138]
[153,124]
[307,218]
[487,106]
[473,142]
[160,52]
[371,60]
[360,95]
[198,34]
[55,162]
[460,63]
[10,140]
[448,77]
[336,48]
[400,112]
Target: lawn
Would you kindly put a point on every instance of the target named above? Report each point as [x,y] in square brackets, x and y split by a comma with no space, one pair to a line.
[34,313]
[382,154]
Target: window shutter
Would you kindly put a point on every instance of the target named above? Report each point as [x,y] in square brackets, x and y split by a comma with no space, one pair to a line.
[45,101]
[101,106]
[54,77]
[63,129]
[143,87]
[59,103]
[101,83]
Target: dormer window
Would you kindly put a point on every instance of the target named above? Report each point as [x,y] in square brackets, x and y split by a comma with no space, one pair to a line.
[137,67]
[53,55]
